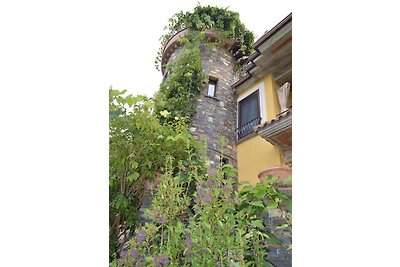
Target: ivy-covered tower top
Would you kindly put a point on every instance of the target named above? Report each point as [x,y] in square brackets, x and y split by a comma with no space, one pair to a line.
[214,120]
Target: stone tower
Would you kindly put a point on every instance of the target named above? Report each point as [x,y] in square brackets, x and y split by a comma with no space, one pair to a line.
[216,105]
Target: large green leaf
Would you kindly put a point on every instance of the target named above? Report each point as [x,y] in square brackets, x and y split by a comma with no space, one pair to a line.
[260,192]
[257,223]
[165,113]
[135,164]
[257,203]
[133,177]
[282,226]
[271,238]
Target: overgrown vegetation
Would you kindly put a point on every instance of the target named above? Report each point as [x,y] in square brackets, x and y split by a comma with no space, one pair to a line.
[224,22]
[177,94]
[213,226]
[138,146]
[195,219]
[179,91]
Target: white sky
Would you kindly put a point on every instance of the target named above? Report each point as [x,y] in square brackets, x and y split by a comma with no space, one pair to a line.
[137,28]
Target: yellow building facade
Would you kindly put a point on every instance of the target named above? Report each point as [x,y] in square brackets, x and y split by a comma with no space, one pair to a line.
[264,102]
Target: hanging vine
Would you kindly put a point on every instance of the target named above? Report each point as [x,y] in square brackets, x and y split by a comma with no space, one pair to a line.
[178,92]
[222,21]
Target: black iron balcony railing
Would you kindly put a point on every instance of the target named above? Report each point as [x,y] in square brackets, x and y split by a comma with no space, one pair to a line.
[247,128]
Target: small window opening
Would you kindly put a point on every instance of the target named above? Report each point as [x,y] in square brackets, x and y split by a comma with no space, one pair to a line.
[212,88]
[224,161]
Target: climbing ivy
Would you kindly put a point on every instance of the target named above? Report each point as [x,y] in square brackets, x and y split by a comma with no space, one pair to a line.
[185,76]
[224,22]
[178,91]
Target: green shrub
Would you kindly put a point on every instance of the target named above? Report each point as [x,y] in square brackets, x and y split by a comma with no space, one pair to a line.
[212,225]
[138,146]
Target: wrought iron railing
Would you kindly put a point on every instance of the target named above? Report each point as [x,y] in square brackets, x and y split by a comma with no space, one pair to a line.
[247,128]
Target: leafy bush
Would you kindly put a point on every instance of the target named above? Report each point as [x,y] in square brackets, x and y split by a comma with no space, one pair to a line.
[138,146]
[194,219]
[211,226]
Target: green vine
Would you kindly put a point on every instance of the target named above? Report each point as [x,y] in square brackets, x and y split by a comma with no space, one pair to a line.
[224,22]
[178,92]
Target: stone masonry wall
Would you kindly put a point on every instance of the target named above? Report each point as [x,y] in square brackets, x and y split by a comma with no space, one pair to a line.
[280,256]
[215,117]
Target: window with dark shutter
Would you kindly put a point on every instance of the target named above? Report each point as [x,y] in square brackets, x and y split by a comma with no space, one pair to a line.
[249,115]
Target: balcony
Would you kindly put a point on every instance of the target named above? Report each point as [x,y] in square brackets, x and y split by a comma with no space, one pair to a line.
[279,133]
[247,128]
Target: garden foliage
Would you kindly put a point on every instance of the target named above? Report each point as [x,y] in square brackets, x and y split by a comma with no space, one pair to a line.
[224,22]
[195,219]
[185,76]
[211,226]
[138,147]
[178,92]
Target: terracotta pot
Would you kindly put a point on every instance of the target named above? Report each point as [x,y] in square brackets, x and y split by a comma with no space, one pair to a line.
[281,172]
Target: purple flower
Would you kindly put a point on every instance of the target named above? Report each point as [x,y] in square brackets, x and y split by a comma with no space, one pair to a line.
[164,260]
[134,254]
[200,191]
[207,198]
[161,261]
[211,183]
[227,187]
[162,219]
[141,236]
[188,241]
[122,254]
[204,194]
[156,260]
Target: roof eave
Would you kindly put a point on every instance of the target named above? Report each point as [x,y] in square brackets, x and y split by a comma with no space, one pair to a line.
[251,67]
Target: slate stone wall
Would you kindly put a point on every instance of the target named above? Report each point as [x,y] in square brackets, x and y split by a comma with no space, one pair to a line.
[215,117]
[280,256]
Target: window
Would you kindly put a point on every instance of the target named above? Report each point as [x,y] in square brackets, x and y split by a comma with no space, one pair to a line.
[248,115]
[224,160]
[212,87]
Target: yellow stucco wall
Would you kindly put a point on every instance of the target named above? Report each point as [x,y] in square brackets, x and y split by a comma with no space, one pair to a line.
[256,154]
[271,97]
